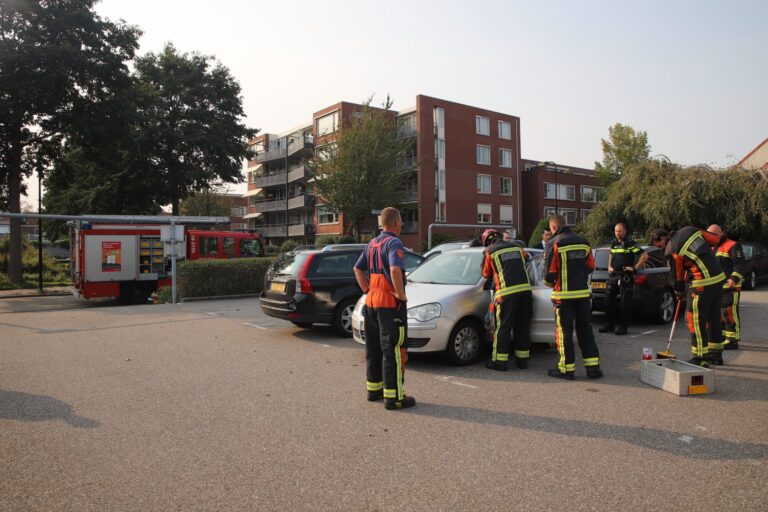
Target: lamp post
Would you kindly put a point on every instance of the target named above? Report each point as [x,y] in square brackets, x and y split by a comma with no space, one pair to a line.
[40,224]
[288,141]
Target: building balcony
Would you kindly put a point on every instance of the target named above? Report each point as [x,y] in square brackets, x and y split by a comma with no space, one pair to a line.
[278,230]
[301,201]
[274,205]
[295,173]
[407,131]
[410,227]
[296,146]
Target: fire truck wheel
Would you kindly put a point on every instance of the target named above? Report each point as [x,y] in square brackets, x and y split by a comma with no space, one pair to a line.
[134,295]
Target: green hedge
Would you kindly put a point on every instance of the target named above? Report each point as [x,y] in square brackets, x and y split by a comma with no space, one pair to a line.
[213,278]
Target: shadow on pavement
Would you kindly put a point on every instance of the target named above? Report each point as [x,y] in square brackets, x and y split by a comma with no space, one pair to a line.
[324,334]
[660,440]
[15,405]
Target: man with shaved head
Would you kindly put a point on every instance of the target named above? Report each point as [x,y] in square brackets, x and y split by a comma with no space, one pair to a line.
[731,257]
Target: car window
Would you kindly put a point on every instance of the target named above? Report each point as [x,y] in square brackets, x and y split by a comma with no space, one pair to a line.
[336,264]
[656,258]
[209,246]
[289,263]
[450,268]
[412,261]
[747,251]
[250,248]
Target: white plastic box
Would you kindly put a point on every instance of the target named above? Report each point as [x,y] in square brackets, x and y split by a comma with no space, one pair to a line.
[678,377]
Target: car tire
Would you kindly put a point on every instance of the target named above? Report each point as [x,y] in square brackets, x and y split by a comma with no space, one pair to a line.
[342,317]
[665,309]
[465,343]
[303,325]
[751,283]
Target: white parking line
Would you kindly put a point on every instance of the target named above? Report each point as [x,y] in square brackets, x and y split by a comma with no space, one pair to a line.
[450,380]
[255,325]
[643,333]
[326,346]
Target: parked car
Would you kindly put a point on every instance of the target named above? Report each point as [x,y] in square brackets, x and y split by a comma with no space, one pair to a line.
[317,286]
[448,301]
[653,292]
[756,255]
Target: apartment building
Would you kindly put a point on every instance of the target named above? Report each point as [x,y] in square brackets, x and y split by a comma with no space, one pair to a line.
[469,171]
[550,187]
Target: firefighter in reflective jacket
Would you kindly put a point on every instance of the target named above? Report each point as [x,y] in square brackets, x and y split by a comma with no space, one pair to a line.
[621,268]
[569,262]
[504,260]
[692,256]
[730,255]
[385,313]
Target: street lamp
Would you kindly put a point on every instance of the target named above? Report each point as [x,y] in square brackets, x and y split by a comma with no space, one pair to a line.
[40,224]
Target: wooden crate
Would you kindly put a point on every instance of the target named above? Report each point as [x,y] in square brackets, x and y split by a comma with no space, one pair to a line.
[678,377]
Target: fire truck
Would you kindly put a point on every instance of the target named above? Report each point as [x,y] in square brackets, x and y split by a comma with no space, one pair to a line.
[130,261]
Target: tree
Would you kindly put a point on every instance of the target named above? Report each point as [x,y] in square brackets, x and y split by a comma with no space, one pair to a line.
[537,231]
[657,194]
[194,136]
[363,169]
[624,147]
[57,60]
[207,204]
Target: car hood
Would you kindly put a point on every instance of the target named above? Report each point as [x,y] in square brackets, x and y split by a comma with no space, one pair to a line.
[424,293]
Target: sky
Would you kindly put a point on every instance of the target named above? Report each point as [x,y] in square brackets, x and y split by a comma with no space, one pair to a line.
[692,74]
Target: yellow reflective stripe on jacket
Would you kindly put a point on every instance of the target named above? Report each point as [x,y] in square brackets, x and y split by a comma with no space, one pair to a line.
[500,271]
[723,254]
[509,290]
[688,242]
[709,280]
[579,294]
[564,293]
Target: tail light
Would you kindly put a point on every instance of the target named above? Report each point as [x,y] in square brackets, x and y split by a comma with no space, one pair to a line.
[305,286]
[639,280]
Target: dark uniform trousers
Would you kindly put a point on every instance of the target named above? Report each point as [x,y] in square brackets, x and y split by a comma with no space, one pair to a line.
[729,311]
[703,318]
[513,313]
[386,333]
[617,301]
[567,313]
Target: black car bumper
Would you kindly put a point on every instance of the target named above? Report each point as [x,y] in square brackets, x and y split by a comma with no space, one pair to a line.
[300,309]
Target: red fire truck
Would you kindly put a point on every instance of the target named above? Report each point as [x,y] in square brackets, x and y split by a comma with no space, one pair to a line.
[131,261]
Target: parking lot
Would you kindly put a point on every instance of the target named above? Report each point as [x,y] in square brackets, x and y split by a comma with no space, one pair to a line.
[214,406]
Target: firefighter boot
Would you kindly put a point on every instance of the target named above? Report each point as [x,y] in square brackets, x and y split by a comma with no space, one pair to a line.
[521,362]
[556,373]
[594,372]
[392,404]
[731,345]
[715,357]
[621,330]
[698,361]
[606,328]
[497,365]
[374,396]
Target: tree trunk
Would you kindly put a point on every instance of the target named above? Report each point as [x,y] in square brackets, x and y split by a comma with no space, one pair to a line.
[14,206]
[175,207]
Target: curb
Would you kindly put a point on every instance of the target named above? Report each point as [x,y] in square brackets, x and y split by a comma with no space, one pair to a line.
[22,295]
[219,297]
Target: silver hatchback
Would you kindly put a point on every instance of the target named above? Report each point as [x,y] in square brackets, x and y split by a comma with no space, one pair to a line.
[448,301]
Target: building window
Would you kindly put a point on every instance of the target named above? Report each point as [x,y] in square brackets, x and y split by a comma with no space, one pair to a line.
[441,179]
[591,194]
[483,213]
[505,130]
[505,214]
[570,214]
[482,125]
[441,212]
[329,123]
[326,216]
[505,186]
[483,184]
[483,155]
[564,192]
[441,148]
[585,214]
[323,152]
[238,211]
[505,158]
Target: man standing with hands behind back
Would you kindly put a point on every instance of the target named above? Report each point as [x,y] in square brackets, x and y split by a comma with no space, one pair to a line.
[386,313]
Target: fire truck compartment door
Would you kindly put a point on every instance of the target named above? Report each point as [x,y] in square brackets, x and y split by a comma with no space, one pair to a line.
[111,258]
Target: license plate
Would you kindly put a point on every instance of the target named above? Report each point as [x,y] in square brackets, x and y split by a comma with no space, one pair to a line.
[598,285]
[277,287]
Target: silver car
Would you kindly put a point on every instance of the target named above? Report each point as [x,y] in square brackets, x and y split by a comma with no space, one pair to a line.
[448,303]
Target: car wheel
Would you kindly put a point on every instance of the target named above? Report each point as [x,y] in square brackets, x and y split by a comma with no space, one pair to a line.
[665,310]
[464,344]
[752,280]
[342,317]
[303,325]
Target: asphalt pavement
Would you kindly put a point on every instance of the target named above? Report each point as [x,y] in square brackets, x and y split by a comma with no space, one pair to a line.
[214,406]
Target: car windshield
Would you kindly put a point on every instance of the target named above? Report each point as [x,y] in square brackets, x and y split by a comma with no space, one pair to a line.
[289,263]
[450,268]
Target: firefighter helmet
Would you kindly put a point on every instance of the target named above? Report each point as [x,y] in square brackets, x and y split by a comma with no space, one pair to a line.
[490,236]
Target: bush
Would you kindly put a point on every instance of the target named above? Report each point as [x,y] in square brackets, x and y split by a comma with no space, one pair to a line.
[537,231]
[327,240]
[53,273]
[346,239]
[165,295]
[272,249]
[214,278]
[288,245]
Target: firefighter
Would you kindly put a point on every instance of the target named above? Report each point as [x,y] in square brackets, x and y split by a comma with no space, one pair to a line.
[385,313]
[730,255]
[504,260]
[569,262]
[691,254]
[621,269]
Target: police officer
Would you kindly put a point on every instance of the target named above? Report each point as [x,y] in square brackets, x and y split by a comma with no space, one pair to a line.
[730,255]
[568,263]
[504,260]
[386,313]
[692,257]
[621,267]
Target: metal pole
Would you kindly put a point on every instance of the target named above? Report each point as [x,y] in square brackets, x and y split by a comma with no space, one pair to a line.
[173,261]
[40,226]
[287,143]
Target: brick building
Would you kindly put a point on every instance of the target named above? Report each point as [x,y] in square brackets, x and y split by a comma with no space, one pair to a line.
[470,171]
